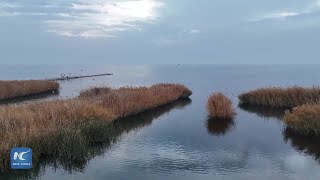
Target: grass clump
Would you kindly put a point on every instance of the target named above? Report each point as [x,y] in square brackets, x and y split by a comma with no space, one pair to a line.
[279,97]
[220,107]
[22,124]
[13,89]
[305,119]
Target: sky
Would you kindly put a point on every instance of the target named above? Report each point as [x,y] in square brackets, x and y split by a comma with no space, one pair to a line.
[159,31]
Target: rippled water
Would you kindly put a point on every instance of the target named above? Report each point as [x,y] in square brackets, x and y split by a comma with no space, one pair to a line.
[178,141]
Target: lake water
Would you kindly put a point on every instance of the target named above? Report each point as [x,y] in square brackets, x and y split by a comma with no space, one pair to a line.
[177,141]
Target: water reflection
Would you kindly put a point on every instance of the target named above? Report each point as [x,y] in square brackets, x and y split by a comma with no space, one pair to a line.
[308,144]
[104,136]
[264,112]
[37,97]
[219,127]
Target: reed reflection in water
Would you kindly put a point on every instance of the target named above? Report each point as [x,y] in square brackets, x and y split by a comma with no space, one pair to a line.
[308,144]
[219,127]
[264,112]
[37,97]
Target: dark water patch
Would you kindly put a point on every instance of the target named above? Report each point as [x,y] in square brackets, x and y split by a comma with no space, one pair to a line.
[264,112]
[36,97]
[219,127]
[308,144]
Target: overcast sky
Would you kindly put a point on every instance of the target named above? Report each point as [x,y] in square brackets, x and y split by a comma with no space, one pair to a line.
[159,31]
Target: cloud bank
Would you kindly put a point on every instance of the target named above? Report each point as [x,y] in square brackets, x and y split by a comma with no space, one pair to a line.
[90,19]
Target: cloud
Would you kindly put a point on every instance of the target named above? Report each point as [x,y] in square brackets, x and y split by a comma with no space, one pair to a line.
[194,31]
[282,15]
[276,16]
[6,14]
[90,19]
[178,36]
[7,5]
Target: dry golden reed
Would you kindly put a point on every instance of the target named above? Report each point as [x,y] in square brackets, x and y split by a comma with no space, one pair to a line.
[19,124]
[12,89]
[279,97]
[304,119]
[220,107]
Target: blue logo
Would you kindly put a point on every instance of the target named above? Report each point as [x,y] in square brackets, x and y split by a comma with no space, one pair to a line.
[21,158]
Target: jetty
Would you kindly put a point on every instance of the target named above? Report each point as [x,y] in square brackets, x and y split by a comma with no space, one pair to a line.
[63,77]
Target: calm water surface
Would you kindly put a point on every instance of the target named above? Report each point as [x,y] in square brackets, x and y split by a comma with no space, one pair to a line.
[177,141]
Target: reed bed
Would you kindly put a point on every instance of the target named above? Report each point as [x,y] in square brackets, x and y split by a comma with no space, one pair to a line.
[220,107]
[13,89]
[304,119]
[72,149]
[21,124]
[279,97]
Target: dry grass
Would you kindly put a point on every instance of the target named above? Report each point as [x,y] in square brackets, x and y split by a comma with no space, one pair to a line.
[20,124]
[13,89]
[305,119]
[220,107]
[281,97]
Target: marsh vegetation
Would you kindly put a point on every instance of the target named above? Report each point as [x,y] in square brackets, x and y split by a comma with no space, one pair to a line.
[14,89]
[279,97]
[88,141]
[305,118]
[91,116]
[220,107]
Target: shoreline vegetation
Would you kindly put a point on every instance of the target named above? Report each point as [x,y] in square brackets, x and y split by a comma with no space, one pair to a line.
[220,107]
[300,106]
[22,124]
[23,88]
[279,97]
